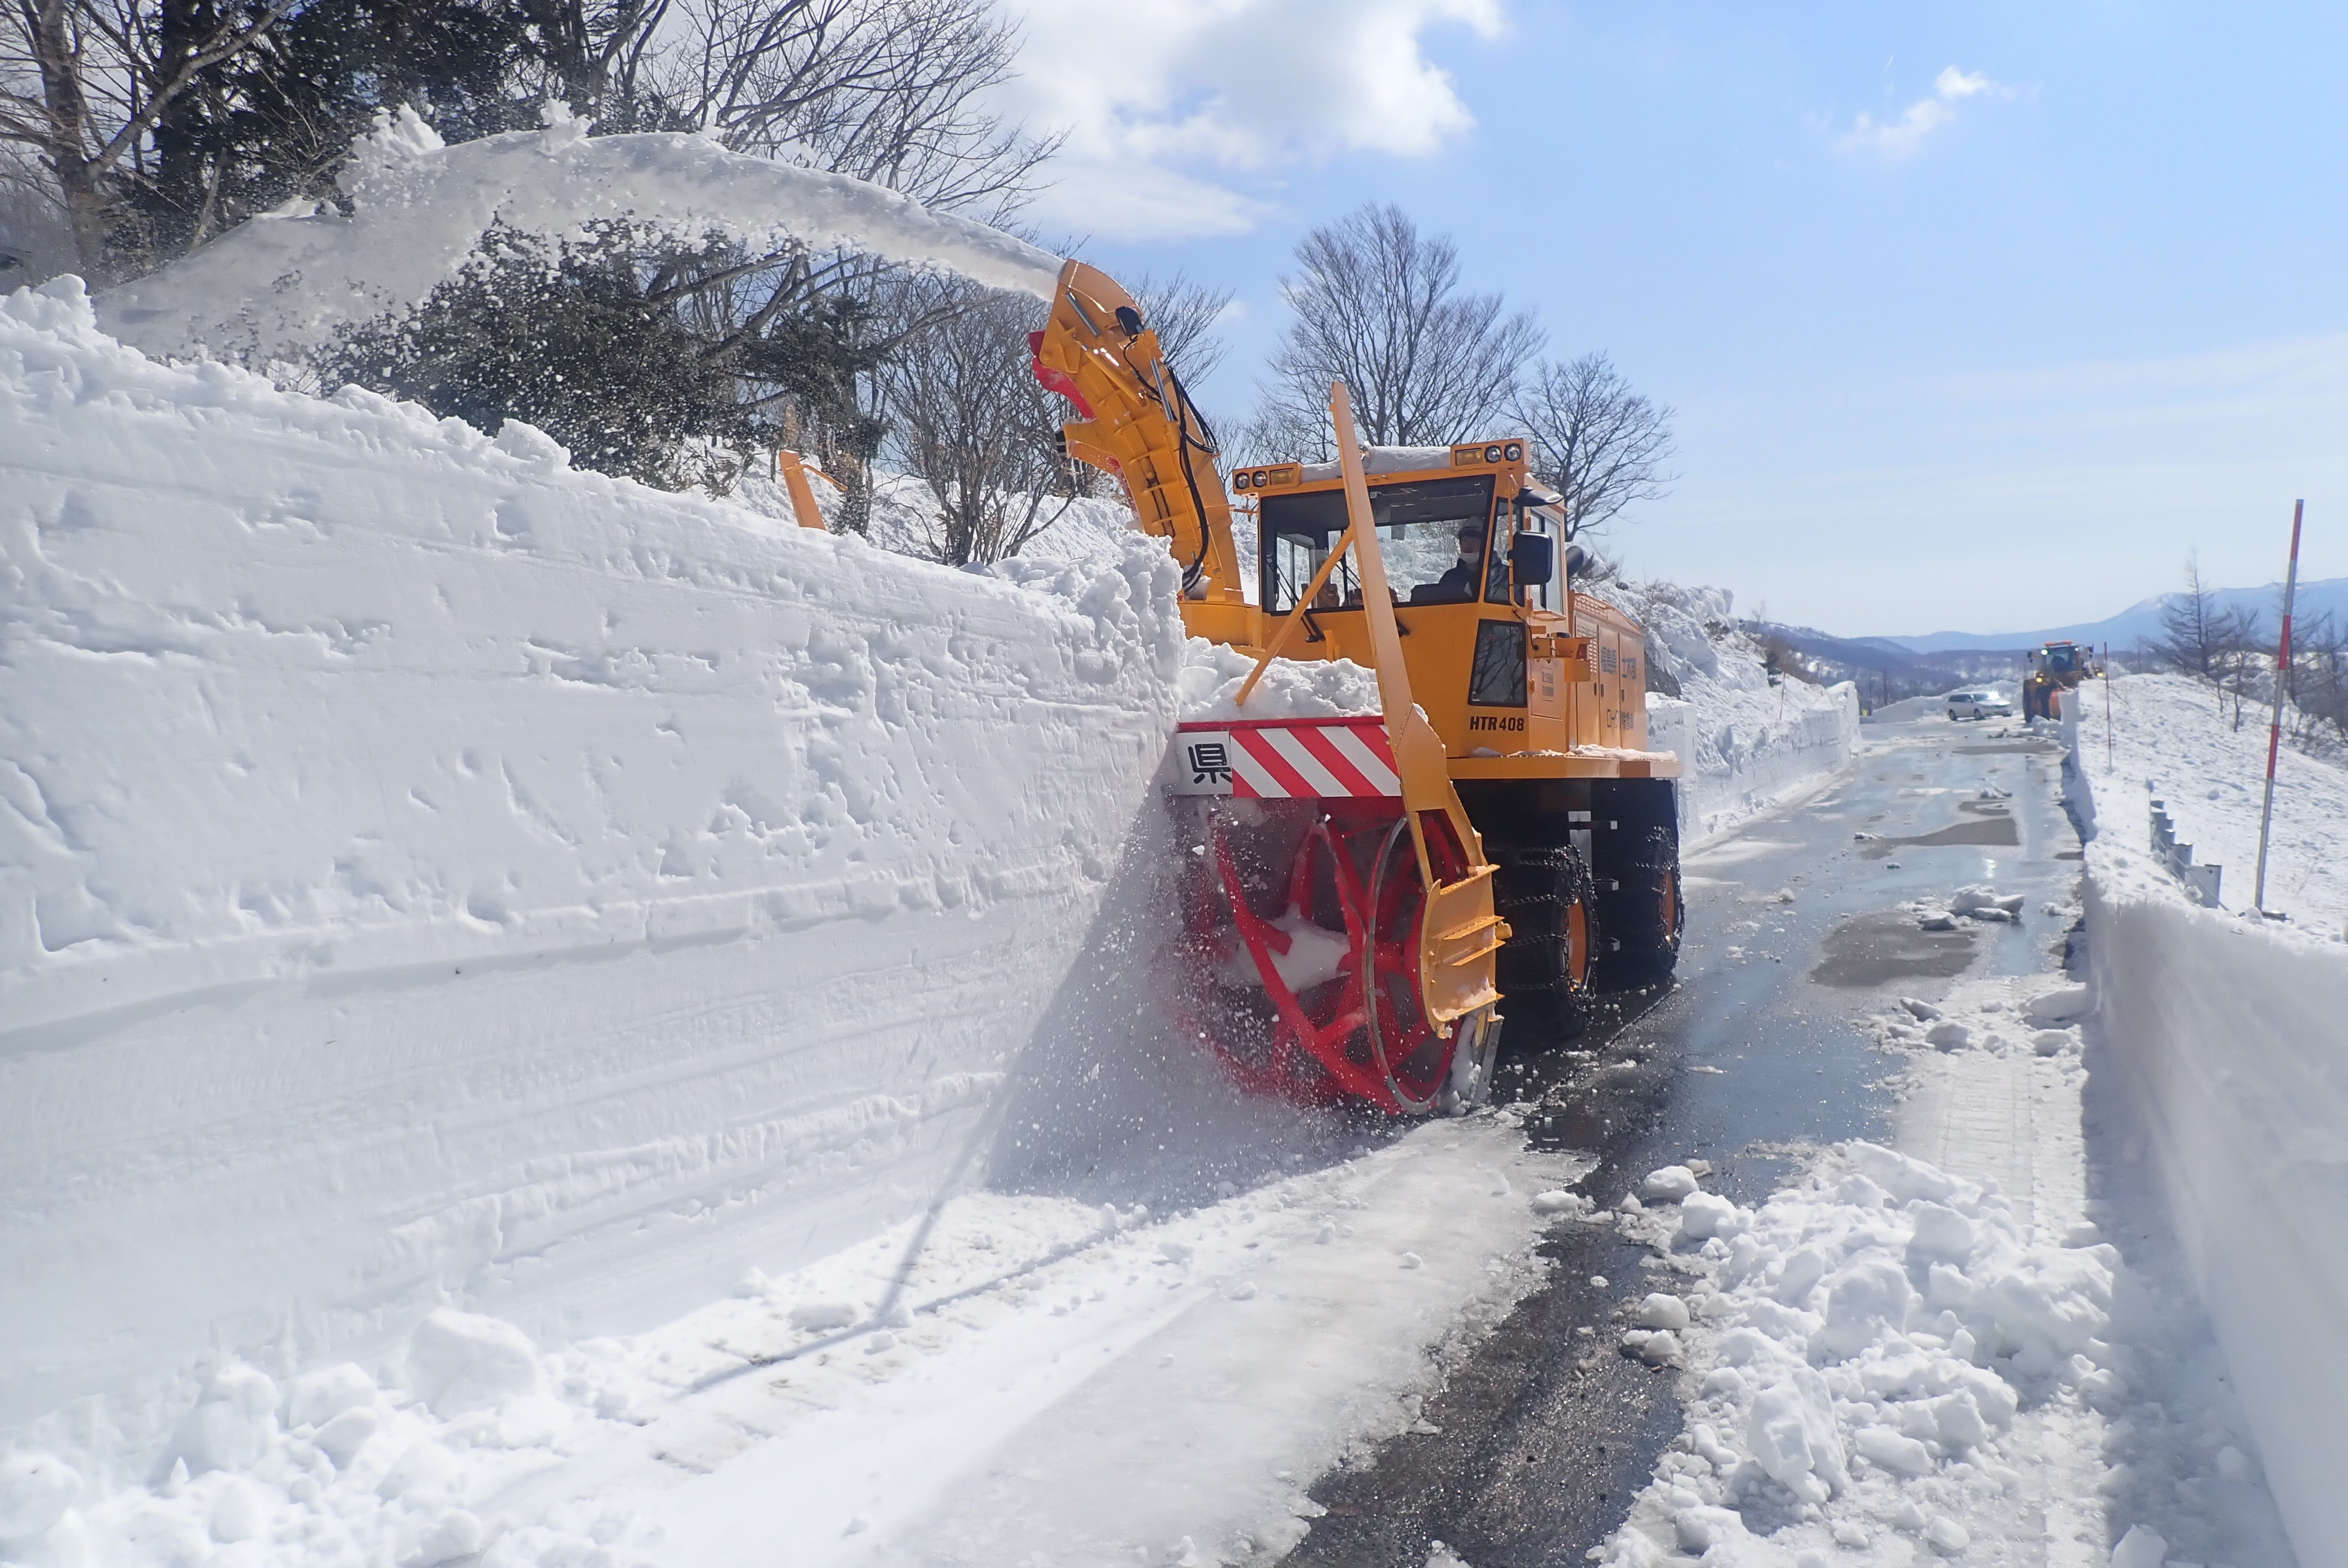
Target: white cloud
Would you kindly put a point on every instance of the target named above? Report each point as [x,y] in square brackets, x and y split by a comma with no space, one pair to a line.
[1954,84]
[1898,138]
[1172,107]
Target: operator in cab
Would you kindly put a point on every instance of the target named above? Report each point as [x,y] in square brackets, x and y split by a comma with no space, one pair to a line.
[1466,577]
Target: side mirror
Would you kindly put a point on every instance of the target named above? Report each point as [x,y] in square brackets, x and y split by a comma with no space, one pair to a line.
[1532,559]
[1575,557]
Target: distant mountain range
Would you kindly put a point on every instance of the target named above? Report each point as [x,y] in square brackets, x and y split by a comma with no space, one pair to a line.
[2137,623]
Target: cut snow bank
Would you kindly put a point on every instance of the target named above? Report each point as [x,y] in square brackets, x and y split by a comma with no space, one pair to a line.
[2227,1034]
[1746,744]
[432,874]
[280,285]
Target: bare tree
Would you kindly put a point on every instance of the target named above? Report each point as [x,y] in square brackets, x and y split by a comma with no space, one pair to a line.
[893,91]
[35,243]
[1600,443]
[1183,313]
[967,417]
[2201,639]
[2319,683]
[2195,634]
[86,83]
[1379,306]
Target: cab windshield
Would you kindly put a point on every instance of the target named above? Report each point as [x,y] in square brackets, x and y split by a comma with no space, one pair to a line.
[1434,535]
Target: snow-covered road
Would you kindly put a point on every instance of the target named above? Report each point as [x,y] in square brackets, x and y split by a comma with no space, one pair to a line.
[1777,1050]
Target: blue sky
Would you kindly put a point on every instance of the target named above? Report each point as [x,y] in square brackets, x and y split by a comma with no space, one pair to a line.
[1976,316]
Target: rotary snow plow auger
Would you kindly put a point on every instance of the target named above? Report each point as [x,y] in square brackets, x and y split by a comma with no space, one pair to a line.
[1363,896]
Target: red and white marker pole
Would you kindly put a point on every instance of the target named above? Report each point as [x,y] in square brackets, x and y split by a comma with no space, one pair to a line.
[2274,730]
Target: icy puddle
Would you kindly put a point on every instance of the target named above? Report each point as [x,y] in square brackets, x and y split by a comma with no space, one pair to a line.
[1082,1383]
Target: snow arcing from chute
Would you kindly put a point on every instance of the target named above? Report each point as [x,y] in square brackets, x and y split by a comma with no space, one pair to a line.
[278,286]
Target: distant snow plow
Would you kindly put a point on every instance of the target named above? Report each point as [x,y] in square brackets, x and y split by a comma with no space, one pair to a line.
[2054,668]
[1362,895]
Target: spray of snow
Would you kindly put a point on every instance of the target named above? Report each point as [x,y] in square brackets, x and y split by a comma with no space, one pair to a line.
[277,286]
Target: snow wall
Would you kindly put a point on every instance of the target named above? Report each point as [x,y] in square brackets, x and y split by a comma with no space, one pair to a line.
[2227,1038]
[1747,742]
[1743,762]
[431,873]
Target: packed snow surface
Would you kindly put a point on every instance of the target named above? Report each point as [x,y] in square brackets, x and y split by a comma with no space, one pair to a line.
[279,285]
[1017,1375]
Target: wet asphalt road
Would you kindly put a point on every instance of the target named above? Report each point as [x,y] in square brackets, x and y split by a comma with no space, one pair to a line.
[1755,1052]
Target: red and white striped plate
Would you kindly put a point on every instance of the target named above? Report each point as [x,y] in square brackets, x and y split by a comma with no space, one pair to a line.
[1286,759]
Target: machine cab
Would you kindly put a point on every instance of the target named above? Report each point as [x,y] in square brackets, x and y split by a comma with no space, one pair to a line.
[1503,657]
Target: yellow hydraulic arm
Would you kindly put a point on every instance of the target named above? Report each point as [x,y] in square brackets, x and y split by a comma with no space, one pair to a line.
[1138,424]
[1461,933]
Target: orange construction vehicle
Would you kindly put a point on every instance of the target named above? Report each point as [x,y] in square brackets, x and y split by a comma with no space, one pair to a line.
[2054,668]
[1364,897]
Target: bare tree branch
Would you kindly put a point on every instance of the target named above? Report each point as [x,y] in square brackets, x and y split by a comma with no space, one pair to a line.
[1379,306]
[1184,314]
[968,418]
[1603,445]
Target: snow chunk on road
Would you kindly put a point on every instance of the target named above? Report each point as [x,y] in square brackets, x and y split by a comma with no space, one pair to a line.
[461,1361]
[1669,1184]
[1877,1326]
[1663,1310]
[2060,1005]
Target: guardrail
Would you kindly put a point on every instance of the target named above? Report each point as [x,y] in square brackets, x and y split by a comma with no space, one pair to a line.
[2201,881]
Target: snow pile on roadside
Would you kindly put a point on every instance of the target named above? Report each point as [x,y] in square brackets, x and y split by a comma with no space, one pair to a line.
[1747,744]
[436,875]
[283,284]
[1862,1343]
[2168,739]
[1008,1343]
[1290,687]
[2225,1028]
[1940,1353]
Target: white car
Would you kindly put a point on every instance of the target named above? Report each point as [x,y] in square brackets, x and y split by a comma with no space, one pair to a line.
[1979,705]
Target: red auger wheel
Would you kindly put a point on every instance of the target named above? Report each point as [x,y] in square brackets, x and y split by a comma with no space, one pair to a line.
[1298,964]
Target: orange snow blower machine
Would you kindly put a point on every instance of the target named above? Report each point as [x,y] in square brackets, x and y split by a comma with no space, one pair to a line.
[2054,668]
[1361,897]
